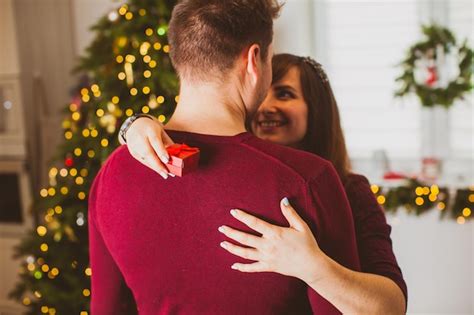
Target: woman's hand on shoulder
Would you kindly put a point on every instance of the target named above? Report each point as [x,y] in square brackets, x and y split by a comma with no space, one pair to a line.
[147,142]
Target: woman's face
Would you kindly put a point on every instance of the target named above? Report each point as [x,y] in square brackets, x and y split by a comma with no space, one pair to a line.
[283,116]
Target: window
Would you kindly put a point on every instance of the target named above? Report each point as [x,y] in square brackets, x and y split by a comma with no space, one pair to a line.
[363,42]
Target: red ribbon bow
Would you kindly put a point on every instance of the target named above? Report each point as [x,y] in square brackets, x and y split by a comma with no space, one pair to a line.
[177,149]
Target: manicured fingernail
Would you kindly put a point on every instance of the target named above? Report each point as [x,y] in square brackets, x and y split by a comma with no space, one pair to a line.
[221,229]
[233,212]
[164,159]
[285,202]
[223,245]
[163,174]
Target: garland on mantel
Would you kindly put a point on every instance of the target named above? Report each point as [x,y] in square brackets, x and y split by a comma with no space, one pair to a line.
[418,198]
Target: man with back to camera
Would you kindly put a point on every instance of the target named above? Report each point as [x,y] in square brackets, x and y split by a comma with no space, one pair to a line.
[154,243]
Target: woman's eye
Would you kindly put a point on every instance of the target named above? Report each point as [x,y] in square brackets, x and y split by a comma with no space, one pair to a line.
[284,95]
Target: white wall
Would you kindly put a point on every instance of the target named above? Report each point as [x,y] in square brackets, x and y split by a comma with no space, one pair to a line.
[86,13]
[437,260]
[460,18]
[8,51]
[294,29]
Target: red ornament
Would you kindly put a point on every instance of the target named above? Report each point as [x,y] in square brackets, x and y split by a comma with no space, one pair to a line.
[69,162]
[432,76]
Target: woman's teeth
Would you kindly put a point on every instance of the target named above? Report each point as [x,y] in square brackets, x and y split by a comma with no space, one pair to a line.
[269,124]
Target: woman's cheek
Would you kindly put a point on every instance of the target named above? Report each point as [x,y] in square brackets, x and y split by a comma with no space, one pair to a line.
[303,131]
[300,129]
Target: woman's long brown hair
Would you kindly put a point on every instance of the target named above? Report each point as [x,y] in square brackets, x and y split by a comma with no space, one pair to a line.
[324,136]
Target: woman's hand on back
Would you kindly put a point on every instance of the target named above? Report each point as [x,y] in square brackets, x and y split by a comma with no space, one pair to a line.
[147,142]
[291,251]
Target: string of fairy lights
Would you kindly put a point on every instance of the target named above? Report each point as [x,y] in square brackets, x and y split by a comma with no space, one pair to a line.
[417,198]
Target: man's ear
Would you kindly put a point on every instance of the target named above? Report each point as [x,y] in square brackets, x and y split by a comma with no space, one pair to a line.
[253,62]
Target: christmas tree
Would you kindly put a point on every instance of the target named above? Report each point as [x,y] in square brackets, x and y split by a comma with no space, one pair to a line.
[127,70]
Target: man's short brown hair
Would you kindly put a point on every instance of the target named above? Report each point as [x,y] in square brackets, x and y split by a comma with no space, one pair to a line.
[206,36]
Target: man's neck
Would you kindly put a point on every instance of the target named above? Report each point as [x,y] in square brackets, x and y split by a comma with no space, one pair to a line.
[209,109]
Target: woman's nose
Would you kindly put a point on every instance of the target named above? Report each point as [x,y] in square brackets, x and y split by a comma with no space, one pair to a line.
[269,110]
[267,106]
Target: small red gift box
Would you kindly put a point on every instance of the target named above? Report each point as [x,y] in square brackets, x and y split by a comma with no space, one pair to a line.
[183,159]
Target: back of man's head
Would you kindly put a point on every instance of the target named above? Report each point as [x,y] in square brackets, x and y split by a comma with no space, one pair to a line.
[206,36]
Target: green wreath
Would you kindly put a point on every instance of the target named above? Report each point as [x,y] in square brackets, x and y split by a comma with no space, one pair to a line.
[438,40]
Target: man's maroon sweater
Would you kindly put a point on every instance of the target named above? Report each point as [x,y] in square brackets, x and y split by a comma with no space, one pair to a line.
[155,242]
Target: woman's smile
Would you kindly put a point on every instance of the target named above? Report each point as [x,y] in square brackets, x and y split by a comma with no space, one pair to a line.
[270,125]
